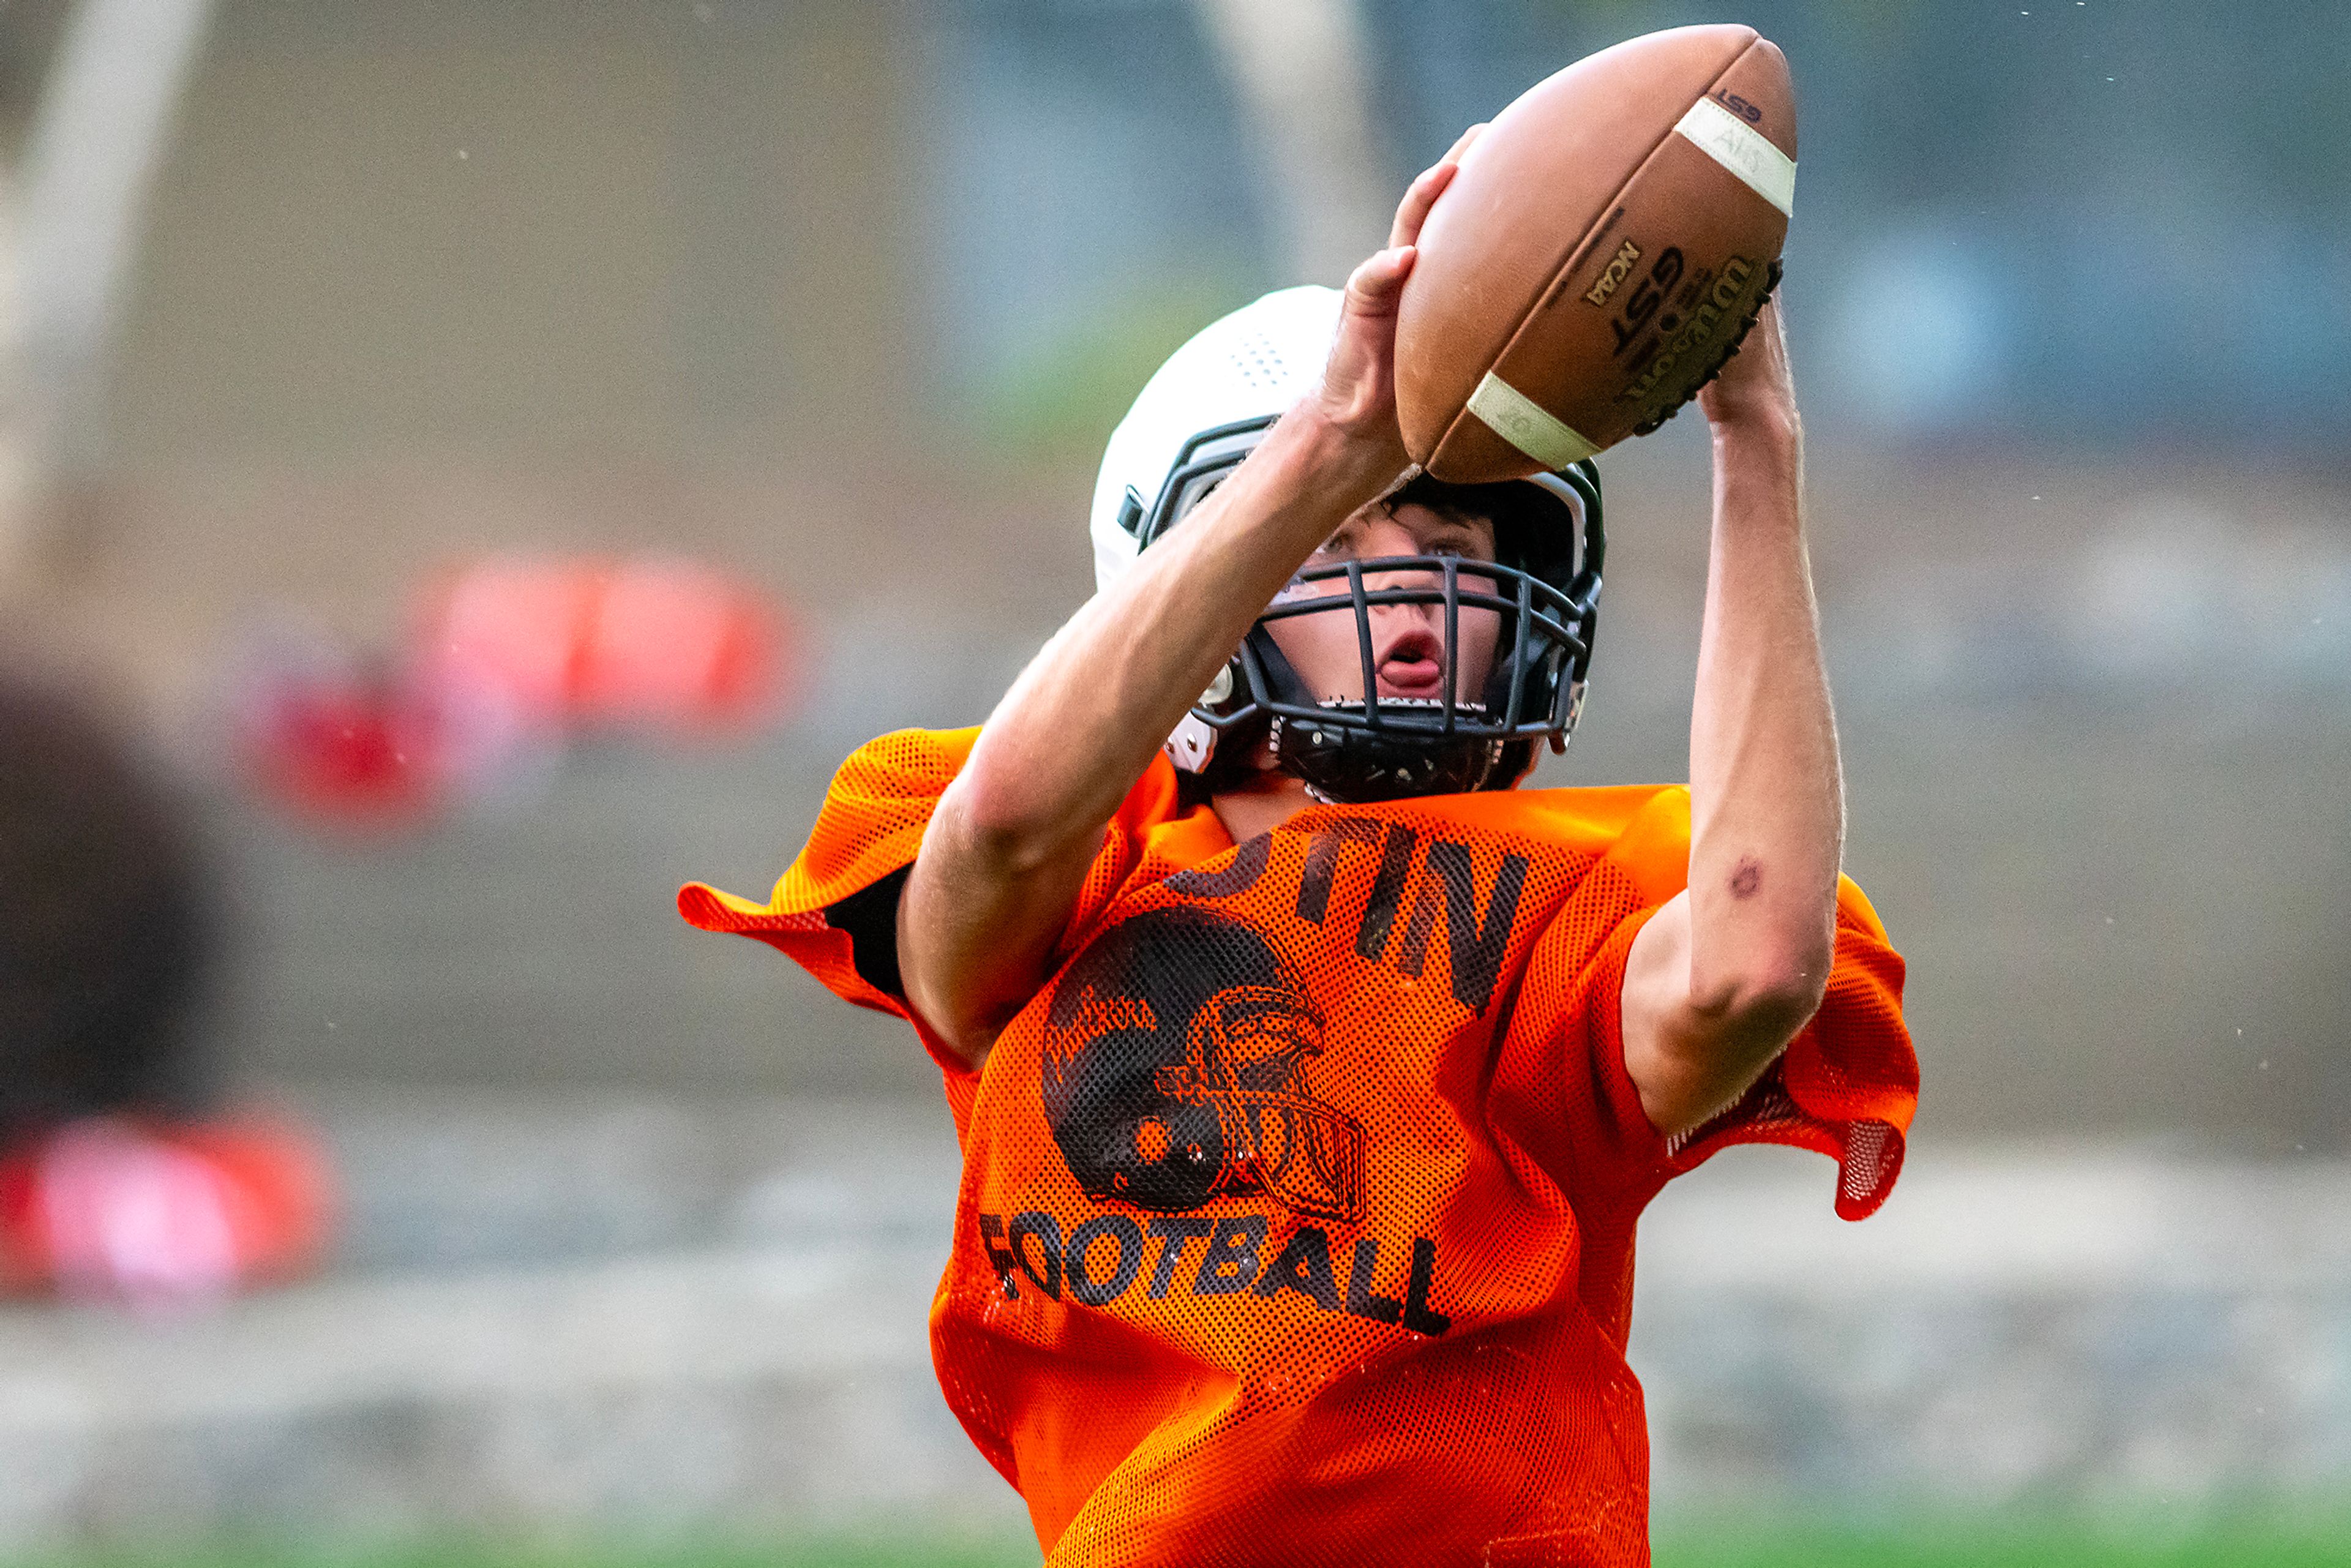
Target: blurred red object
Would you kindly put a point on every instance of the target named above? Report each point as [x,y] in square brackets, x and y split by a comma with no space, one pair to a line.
[349,748]
[656,644]
[508,658]
[161,1215]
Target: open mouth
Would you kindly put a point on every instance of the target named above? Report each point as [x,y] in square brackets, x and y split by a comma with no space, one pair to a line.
[1412,665]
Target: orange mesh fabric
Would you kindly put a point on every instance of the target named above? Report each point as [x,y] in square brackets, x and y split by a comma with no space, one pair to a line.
[1297,1208]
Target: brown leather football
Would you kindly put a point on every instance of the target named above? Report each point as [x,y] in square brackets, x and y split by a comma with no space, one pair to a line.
[1605,244]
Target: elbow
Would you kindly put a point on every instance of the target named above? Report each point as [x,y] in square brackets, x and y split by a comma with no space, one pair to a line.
[1783,1000]
[1768,1000]
[998,825]
[966,1028]
[1737,1025]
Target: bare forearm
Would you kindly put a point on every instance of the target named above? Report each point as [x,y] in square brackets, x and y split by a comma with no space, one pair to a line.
[1722,977]
[1015,833]
[1767,798]
[1085,718]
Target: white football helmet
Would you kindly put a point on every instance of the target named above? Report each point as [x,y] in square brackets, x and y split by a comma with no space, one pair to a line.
[1205,411]
[1244,370]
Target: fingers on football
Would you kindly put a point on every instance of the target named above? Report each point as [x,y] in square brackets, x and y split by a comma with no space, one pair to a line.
[1373,287]
[1418,197]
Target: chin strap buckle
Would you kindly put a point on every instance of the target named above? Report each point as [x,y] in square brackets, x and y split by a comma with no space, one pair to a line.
[1191,744]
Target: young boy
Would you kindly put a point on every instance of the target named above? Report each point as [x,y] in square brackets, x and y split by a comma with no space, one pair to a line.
[1311,1077]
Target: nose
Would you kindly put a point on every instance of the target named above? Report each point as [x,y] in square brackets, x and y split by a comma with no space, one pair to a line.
[1414,576]
[1393,620]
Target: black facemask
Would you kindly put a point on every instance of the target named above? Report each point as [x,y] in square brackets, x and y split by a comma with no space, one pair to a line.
[1545,586]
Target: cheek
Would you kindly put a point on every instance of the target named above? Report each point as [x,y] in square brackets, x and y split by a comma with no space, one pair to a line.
[1480,634]
[1321,649]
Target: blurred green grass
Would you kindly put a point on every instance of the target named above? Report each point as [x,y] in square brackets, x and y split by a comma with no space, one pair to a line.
[873,1549]
[2146,1538]
[2253,1539]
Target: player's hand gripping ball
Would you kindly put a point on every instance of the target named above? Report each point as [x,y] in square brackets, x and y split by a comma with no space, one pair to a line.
[1602,249]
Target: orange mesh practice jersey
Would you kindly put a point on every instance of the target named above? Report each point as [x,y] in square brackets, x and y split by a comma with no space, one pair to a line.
[1297,1213]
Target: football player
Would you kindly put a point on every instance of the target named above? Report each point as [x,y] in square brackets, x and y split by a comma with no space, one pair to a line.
[1311,1075]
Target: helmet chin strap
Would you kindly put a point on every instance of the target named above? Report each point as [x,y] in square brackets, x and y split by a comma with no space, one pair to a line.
[1337,764]
[1341,764]
[1344,766]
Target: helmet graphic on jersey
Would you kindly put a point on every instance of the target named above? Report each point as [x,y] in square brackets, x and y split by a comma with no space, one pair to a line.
[1205,411]
[1175,1071]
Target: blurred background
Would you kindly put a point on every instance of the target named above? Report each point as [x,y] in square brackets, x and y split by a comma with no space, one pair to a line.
[468,469]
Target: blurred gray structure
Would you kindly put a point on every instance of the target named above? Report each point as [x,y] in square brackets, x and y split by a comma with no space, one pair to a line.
[844,294]
[808,288]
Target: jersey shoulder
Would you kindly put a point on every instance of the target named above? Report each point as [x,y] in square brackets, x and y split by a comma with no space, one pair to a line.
[1643,828]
